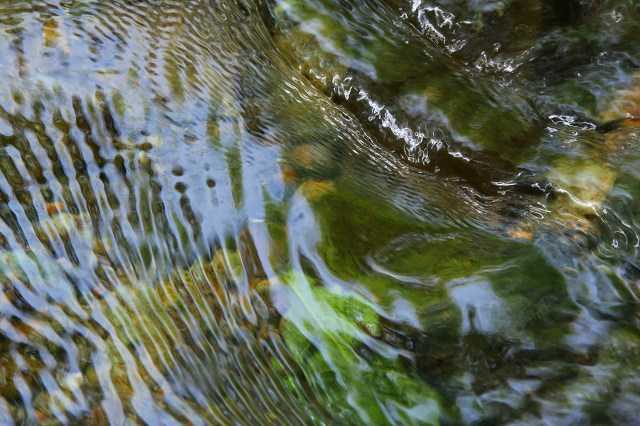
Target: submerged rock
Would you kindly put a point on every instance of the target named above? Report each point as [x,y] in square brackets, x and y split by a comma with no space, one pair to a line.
[586,181]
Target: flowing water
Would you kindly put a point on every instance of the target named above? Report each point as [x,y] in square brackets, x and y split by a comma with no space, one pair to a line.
[319,212]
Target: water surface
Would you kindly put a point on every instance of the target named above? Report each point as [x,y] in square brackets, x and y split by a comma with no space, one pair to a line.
[319,212]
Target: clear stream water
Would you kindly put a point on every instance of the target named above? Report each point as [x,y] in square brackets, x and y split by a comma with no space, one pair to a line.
[319,212]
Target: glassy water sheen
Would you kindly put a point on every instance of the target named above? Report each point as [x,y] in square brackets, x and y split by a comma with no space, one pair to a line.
[319,212]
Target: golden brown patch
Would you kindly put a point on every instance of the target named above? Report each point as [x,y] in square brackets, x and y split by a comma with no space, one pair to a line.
[314,190]
[54,208]
[519,233]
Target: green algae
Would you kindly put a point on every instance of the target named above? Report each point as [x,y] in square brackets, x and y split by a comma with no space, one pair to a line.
[323,332]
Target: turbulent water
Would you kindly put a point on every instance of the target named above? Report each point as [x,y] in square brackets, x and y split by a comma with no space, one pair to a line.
[319,212]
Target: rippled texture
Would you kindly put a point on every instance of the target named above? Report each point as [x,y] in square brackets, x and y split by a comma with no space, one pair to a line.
[319,212]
